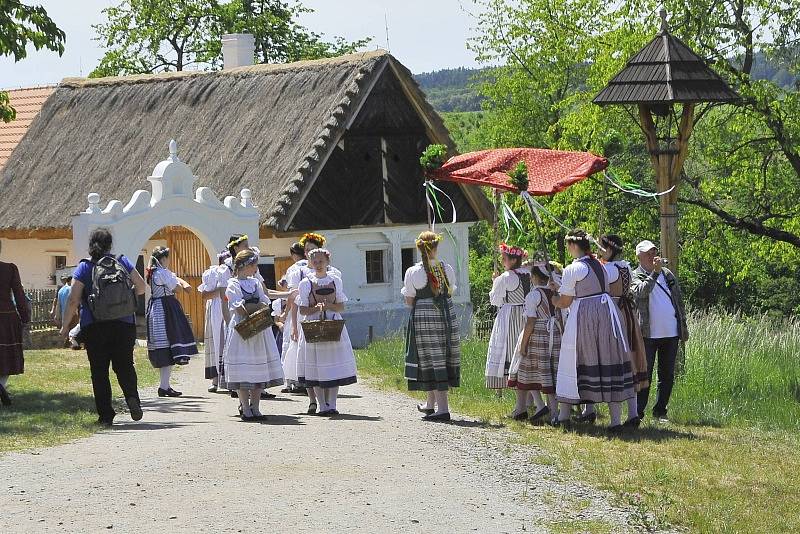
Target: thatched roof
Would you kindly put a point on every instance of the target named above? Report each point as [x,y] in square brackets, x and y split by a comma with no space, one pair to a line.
[266,127]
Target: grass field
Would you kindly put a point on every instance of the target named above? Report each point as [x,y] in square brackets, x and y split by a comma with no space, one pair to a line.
[726,463]
[53,402]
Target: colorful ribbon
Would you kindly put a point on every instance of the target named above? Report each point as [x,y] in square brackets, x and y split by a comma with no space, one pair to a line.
[435,205]
[632,188]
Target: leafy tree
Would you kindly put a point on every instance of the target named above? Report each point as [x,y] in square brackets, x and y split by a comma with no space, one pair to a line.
[21,25]
[742,180]
[147,36]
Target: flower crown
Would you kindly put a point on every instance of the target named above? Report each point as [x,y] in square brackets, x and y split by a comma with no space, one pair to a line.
[428,242]
[316,251]
[245,258]
[513,250]
[238,240]
[311,236]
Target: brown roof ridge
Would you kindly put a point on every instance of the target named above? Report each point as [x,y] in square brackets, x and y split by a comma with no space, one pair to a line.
[260,69]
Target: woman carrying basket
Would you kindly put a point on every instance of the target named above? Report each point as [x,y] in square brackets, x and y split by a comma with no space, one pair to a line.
[327,364]
[253,364]
[433,353]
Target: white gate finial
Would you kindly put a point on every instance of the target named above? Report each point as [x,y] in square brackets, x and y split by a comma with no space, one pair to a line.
[173,150]
[94,203]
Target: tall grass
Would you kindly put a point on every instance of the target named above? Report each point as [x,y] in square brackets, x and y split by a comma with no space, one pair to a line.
[740,371]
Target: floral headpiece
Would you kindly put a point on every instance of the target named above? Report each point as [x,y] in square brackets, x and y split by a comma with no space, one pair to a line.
[224,255]
[428,242]
[311,236]
[513,250]
[160,253]
[245,258]
[238,240]
[316,251]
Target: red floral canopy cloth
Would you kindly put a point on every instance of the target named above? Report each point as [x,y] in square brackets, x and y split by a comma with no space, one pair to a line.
[549,171]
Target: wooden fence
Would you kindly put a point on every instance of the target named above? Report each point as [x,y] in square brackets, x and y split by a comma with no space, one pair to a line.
[41,303]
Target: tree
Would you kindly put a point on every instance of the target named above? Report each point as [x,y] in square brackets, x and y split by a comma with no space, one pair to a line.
[740,210]
[21,25]
[147,36]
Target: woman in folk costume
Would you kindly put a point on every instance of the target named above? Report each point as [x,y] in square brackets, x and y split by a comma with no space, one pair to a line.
[508,294]
[594,365]
[215,321]
[433,351]
[296,272]
[328,364]
[535,364]
[254,364]
[619,278]
[309,241]
[170,339]
[14,312]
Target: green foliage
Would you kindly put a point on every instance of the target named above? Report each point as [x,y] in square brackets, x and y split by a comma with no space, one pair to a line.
[433,157]
[466,129]
[739,209]
[147,36]
[21,25]
[518,177]
[452,90]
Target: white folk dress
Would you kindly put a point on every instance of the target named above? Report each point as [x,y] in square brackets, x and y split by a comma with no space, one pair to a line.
[215,323]
[508,294]
[293,368]
[255,362]
[330,363]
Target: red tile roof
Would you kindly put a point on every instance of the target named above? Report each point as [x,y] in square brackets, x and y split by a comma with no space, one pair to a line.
[27,102]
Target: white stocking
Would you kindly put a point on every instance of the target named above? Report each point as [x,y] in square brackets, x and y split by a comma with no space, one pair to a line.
[244,400]
[633,407]
[552,403]
[319,395]
[537,399]
[589,409]
[615,410]
[255,399]
[522,401]
[430,404]
[441,402]
[332,395]
[564,411]
[165,373]
[312,394]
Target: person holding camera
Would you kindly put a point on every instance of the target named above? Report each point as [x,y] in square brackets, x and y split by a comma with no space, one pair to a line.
[662,318]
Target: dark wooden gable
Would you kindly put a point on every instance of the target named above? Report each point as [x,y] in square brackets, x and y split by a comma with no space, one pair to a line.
[373,176]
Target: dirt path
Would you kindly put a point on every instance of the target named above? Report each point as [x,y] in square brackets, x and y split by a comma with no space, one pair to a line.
[190,466]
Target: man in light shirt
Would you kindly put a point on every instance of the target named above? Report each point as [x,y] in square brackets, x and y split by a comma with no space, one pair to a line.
[662,318]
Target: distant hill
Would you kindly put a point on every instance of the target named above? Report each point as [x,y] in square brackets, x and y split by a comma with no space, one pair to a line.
[452,89]
[458,90]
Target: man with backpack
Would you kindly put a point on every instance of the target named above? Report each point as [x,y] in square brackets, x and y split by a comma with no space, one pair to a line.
[105,287]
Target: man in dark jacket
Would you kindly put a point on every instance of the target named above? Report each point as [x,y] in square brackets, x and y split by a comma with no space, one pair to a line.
[662,317]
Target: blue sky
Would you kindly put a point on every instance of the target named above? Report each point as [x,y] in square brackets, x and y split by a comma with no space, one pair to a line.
[424,34]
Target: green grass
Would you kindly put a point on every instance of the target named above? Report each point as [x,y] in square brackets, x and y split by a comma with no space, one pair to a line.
[726,463]
[53,402]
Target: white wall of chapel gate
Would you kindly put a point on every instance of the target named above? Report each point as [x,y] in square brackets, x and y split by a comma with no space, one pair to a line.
[172,201]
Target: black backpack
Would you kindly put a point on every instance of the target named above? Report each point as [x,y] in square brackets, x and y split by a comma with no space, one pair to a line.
[113,295]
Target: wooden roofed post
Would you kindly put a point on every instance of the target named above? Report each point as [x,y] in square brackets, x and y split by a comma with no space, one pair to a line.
[662,75]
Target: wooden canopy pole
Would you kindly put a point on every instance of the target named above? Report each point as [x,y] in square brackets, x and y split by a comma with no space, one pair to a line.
[667,163]
[497,196]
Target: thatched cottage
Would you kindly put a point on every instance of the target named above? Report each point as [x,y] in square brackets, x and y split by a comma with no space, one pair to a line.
[329,145]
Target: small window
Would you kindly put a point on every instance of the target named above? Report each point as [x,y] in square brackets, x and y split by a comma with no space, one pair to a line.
[374,264]
[59,262]
[407,259]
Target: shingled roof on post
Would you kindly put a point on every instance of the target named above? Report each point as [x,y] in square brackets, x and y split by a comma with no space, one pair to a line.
[665,71]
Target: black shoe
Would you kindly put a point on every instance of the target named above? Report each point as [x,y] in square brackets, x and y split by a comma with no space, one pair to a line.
[249,418]
[266,395]
[168,393]
[105,421]
[426,411]
[539,417]
[286,390]
[234,394]
[615,430]
[182,361]
[212,388]
[565,425]
[633,422]
[587,418]
[437,418]
[326,413]
[522,416]
[5,398]
[312,408]
[135,408]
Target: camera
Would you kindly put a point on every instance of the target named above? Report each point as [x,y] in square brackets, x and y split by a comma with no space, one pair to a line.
[664,261]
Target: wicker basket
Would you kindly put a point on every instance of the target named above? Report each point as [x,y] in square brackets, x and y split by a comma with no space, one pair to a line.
[323,330]
[256,323]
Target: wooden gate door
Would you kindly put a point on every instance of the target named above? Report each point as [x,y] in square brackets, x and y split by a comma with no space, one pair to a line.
[188,260]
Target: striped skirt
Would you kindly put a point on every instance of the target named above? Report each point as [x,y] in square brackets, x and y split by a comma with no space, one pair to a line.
[433,350]
[594,365]
[508,325]
[169,336]
[538,366]
[638,356]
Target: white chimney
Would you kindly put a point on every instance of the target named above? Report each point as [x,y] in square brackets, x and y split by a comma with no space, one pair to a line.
[238,50]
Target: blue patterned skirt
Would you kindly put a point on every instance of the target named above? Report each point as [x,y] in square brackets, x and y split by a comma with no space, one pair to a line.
[170,339]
